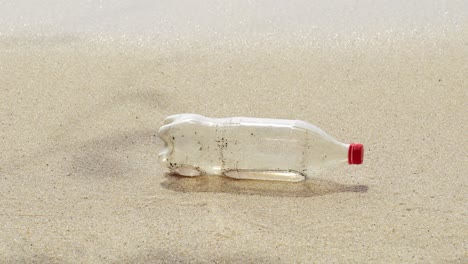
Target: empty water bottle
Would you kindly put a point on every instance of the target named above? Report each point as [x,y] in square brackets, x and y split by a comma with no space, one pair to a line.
[250,148]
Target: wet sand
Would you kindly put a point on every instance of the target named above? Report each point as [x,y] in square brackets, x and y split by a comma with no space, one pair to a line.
[80,181]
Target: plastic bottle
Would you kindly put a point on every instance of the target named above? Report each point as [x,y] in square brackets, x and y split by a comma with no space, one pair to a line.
[250,148]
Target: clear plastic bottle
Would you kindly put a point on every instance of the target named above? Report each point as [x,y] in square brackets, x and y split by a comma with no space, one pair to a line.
[250,148]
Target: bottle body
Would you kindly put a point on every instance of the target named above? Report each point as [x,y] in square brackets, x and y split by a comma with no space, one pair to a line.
[249,148]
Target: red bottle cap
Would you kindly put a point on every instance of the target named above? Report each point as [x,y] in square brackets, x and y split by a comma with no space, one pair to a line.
[355,153]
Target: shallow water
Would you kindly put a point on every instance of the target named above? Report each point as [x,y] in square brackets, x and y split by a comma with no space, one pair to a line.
[79,114]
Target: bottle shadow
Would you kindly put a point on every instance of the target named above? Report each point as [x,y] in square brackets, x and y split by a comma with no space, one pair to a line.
[220,184]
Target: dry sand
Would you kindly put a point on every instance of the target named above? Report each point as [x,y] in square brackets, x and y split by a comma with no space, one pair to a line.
[80,181]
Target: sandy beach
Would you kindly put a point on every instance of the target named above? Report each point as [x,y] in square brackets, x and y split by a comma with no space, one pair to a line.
[80,109]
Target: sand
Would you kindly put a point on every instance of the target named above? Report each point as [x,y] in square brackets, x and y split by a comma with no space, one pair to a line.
[80,181]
